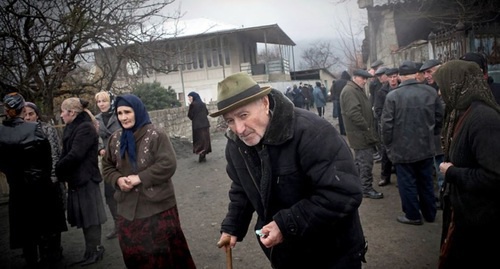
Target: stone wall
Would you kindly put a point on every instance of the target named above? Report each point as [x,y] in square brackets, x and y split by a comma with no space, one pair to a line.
[173,121]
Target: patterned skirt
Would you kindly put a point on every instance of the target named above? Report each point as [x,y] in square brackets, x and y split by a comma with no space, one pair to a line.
[154,242]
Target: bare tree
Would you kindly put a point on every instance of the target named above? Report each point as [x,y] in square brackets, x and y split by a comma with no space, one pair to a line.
[319,55]
[47,48]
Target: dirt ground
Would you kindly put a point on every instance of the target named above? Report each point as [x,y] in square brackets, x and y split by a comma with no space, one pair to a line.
[201,191]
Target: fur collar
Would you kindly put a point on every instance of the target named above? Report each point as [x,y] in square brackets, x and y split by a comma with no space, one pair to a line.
[282,123]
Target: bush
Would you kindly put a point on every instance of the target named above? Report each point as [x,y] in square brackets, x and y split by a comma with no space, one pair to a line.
[156,97]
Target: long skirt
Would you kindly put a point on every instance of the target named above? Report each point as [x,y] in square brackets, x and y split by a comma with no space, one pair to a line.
[154,242]
[201,141]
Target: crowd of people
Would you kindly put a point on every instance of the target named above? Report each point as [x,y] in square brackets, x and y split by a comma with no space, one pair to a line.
[433,124]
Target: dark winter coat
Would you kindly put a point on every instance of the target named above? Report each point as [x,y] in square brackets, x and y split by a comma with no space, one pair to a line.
[412,116]
[198,114]
[474,182]
[358,117]
[78,166]
[378,104]
[35,209]
[339,84]
[298,97]
[303,177]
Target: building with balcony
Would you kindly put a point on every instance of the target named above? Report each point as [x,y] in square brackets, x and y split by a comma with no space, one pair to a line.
[203,52]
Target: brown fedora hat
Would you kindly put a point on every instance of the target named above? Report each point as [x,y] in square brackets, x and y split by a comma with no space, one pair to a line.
[236,91]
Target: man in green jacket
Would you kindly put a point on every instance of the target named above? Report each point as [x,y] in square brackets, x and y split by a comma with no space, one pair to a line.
[360,128]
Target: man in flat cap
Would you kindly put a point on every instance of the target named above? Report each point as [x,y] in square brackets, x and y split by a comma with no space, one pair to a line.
[428,68]
[393,81]
[360,129]
[411,117]
[294,170]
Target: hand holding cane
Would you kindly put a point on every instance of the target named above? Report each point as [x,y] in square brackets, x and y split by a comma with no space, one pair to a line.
[226,242]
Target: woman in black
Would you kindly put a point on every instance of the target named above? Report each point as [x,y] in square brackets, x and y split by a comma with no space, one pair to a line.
[78,166]
[35,210]
[198,113]
[471,212]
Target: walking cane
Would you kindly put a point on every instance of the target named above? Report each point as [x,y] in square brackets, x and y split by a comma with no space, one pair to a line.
[229,257]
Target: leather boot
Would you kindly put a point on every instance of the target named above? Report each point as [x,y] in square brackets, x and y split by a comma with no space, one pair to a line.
[95,256]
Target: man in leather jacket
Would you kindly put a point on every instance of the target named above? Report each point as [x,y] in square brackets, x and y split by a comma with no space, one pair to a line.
[411,117]
[294,170]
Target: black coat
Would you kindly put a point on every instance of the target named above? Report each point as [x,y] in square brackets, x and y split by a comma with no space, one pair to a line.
[35,207]
[303,177]
[411,119]
[78,166]
[474,185]
[198,113]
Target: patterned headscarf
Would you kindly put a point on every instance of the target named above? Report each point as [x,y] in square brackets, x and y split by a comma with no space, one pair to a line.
[461,83]
[127,140]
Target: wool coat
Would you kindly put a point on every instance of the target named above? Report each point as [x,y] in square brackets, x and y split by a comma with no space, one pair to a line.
[474,184]
[156,165]
[358,117]
[78,166]
[302,176]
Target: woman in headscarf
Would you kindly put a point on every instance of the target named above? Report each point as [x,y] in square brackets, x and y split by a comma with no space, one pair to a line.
[78,166]
[471,213]
[198,113]
[140,162]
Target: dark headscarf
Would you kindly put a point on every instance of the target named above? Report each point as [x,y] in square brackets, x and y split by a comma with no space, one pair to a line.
[127,140]
[461,83]
[196,97]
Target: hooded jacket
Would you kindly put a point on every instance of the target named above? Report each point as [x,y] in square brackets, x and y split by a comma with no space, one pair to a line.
[302,176]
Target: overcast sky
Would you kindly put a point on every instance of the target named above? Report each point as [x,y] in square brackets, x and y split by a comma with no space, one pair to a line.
[301,20]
